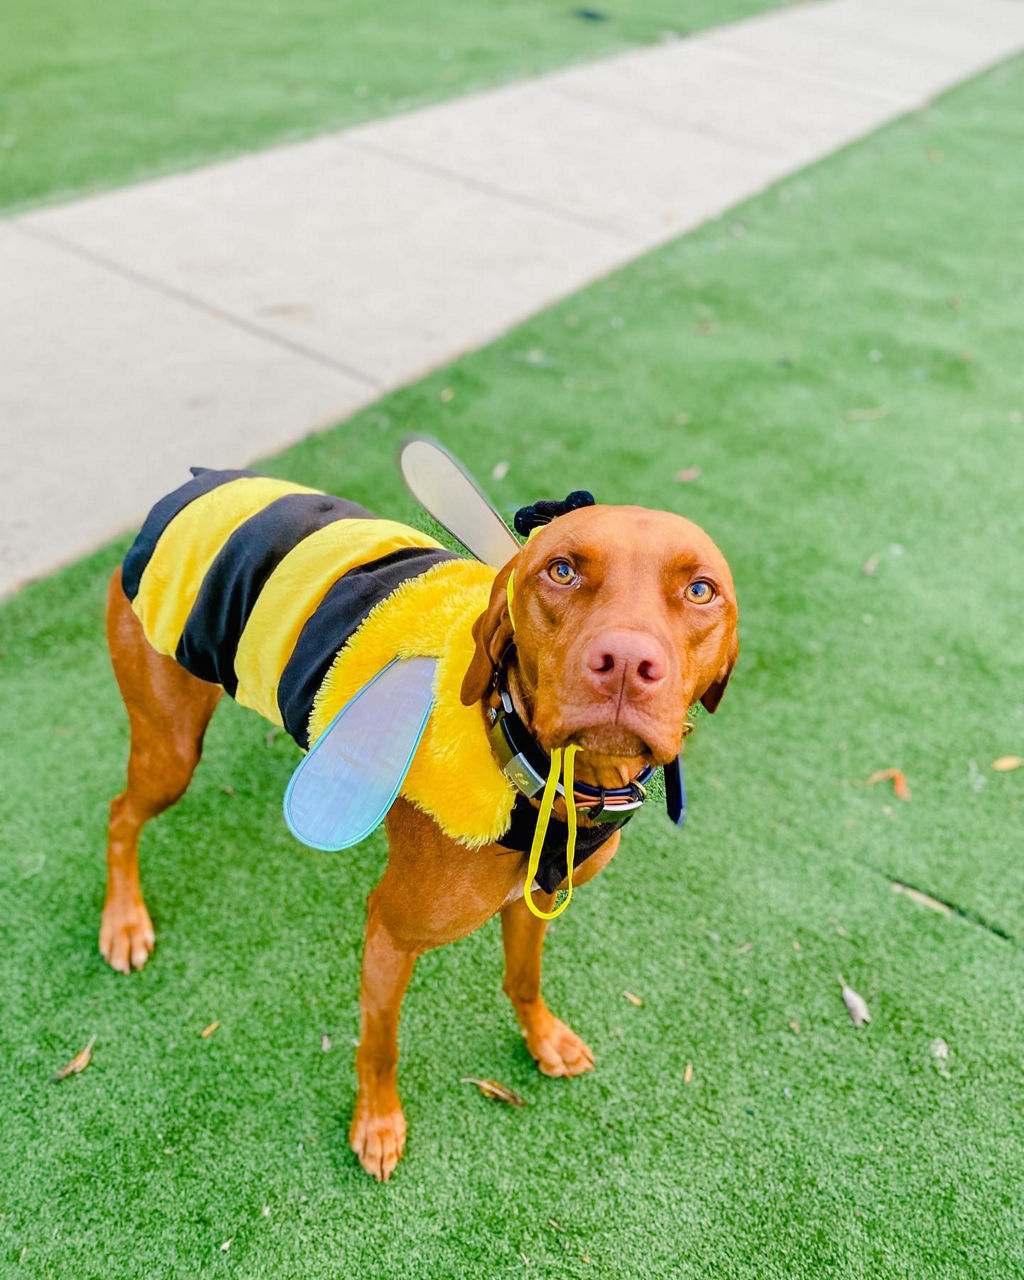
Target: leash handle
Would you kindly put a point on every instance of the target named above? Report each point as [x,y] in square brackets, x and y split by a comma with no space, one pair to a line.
[541,830]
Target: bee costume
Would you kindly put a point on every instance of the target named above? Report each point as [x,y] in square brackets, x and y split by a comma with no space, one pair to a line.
[354,634]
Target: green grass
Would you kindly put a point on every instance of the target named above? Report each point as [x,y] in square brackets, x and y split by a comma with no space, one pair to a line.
[886,279]
[101,93]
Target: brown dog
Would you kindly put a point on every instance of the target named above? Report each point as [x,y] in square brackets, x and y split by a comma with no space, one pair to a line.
[624,618]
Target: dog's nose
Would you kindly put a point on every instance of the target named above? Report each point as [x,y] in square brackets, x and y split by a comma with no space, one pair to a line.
[629,660]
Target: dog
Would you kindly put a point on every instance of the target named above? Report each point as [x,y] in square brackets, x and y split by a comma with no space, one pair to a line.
[622,618]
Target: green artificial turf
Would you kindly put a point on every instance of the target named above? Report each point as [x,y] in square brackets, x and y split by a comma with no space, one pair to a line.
[841,358]
[94,94]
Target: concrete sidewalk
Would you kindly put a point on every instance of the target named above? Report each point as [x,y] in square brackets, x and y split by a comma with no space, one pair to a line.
[217,315]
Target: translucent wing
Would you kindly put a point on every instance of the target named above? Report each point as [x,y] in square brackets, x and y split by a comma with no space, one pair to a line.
[454,499]
[346,783]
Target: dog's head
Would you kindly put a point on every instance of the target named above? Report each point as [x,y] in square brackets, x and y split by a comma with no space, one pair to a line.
[621,619]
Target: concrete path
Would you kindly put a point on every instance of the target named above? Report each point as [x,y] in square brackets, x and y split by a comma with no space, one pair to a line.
[217,315]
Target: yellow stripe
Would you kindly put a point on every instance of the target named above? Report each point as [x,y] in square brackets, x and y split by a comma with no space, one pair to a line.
[188,546]
[293,592]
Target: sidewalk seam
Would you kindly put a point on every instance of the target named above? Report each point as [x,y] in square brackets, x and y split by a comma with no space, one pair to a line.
[488,188]
[161,288]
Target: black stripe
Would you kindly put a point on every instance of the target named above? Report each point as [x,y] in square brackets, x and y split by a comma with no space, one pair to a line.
[160,517]
[552,866]
[234,581]
[340,612]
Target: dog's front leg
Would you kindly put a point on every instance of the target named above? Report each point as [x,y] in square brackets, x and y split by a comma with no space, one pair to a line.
[377,1135]
[557,1049]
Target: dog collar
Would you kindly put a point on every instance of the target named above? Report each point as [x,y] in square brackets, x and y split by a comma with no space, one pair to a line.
[527,765]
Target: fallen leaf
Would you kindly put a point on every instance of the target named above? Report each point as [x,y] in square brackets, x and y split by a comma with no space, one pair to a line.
[745,949]
[228,791]
[796,944]
[1005,763]
[273,735]
[447,395]
[869,566]
[325,1043]
[226,1245]
[838,927]
[500,470]
[688,474]
[208,1031]
[632,998]
[688,1073]
[794,1026]
[899,782]
[922,898]
[681,419]
[940,1052]
[868,415]
[492,1089]
[856,1005]
[77,1064]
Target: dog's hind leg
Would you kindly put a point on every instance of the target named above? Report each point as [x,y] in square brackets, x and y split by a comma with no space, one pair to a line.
[168,710]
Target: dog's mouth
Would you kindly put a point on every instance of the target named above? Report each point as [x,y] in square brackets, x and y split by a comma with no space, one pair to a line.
[623,745]
[617,739]
[613,740]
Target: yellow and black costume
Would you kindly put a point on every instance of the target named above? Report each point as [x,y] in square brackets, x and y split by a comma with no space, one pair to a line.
[293,600]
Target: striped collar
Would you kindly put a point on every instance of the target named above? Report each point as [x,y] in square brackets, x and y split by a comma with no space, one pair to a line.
[526,764]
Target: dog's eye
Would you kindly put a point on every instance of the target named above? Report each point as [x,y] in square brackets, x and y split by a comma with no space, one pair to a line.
[562,572]
[700,592]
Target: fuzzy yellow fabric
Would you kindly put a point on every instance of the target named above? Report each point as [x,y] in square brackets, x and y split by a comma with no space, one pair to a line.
[454,776]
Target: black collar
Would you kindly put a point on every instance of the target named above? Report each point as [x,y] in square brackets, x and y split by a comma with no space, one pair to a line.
[527,765]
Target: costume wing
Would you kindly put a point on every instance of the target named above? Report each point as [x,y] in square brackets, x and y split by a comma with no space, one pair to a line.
[346,783]
[451,495]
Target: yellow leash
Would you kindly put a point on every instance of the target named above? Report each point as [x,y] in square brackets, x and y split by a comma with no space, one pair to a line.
[547,802]
[508,597]
[543,818]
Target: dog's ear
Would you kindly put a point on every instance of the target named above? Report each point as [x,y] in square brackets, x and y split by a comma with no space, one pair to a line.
[712,695]
[492,633]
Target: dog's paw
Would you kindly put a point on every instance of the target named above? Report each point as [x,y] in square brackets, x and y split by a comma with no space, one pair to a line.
[378,1140]
[557,1049]
[126,934]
